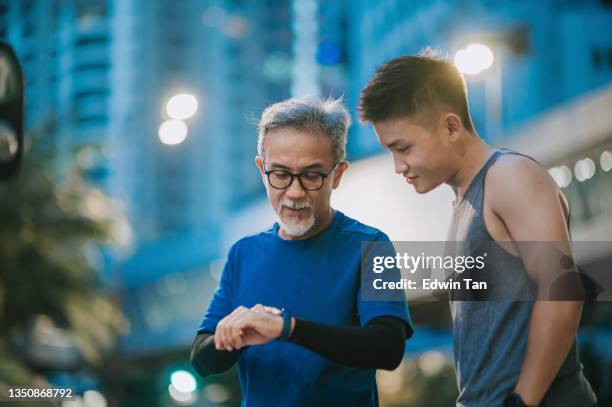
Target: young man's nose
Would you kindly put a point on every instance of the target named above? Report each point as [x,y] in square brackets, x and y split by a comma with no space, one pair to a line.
[400,166]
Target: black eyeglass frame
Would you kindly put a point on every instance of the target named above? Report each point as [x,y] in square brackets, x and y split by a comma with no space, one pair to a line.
[299,176]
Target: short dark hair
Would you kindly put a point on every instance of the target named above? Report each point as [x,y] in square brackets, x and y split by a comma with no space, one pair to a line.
[415,86]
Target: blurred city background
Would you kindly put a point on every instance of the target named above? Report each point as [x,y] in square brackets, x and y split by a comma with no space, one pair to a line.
[140,173]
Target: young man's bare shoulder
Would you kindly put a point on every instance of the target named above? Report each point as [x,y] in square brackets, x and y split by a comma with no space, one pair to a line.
[513,176]
[511,169]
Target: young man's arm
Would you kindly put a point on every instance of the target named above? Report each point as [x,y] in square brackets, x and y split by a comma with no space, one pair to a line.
[524,196]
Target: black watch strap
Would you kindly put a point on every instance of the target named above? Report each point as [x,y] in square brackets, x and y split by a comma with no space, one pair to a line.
[286,331]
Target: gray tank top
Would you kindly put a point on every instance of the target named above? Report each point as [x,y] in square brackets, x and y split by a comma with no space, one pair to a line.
[490,337]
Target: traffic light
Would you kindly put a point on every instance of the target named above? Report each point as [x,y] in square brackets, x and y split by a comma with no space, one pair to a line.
[11,111]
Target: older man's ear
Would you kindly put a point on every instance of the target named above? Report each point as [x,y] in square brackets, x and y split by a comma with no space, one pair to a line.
[343,166]
[259,162]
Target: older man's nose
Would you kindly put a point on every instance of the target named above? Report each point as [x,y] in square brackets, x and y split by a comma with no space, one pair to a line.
[295,190]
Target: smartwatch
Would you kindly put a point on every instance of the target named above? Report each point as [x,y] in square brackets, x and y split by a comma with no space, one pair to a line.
[286,331]
[514,400]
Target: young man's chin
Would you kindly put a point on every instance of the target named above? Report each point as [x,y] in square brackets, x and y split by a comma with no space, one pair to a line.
[421,189]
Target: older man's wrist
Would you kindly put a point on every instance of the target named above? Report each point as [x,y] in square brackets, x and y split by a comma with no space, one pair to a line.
[287,326]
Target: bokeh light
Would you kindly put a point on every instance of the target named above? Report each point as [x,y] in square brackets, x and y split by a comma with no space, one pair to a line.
[182,106]
[584,169]
[93,398]
[328,53]
[277,67]
[216,393]
[474,59]
[8,142]
[172,132]
[180,397]
[183,381]
[562,175]
[432,362]
[606,161]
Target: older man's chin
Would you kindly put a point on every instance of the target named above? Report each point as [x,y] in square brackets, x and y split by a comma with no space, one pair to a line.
[296,228]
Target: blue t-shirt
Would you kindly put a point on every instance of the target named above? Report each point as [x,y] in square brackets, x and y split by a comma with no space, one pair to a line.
[318,279]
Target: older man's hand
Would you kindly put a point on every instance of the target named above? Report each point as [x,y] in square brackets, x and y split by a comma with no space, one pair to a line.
[248,326]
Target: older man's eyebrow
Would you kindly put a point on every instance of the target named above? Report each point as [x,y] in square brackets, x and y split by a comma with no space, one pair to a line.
[308,167]
[314,166]
[279,166]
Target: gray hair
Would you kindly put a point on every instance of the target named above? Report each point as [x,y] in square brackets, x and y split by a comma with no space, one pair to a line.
[324,117]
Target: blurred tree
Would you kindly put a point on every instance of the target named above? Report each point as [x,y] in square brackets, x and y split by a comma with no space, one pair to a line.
[54,313]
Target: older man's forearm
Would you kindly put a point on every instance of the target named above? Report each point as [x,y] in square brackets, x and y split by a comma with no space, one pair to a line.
[551,334]
[207,360]
[379,344]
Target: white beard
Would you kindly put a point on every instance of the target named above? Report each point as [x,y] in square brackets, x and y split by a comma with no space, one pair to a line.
[293,227]
[296,229]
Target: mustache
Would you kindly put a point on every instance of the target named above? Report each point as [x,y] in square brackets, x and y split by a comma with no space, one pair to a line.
[295,204]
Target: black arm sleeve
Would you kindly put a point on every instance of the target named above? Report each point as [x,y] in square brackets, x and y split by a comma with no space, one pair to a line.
[379,344]
[207,360]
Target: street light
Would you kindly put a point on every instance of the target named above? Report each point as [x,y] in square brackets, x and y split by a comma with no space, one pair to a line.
[172,132]
[182,106]
[475,59]
[179,107]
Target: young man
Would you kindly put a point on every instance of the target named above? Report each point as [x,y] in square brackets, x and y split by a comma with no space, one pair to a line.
[509,352]
[322,349]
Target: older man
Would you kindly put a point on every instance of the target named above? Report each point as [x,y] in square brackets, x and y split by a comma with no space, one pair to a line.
[288,308]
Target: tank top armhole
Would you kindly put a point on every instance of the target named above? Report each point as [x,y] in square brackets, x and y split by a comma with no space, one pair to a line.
[499,153]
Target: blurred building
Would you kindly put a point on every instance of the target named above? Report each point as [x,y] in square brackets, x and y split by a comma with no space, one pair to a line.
[98,76]
[554,69]
[548,53]
[553,78]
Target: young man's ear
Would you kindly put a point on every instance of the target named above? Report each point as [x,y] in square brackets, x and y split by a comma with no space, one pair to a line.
[453,125]
[343,166]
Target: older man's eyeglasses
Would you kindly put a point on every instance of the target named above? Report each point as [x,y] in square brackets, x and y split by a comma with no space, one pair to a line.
[309,180]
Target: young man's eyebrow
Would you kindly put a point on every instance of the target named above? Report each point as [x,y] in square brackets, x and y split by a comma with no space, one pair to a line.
[393,145]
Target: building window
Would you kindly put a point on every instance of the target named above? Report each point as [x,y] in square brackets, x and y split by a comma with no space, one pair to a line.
[596,58]
[94,66]
[84,41]
[27,29]
[601,59]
